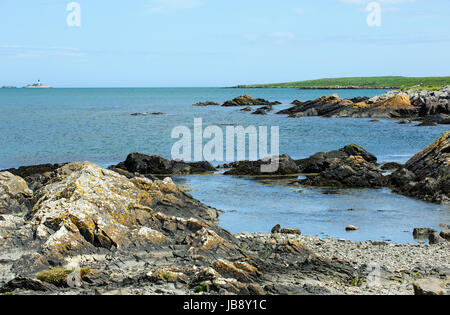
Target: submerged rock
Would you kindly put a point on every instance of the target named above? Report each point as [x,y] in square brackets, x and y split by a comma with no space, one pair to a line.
[156,165]
[147,114]
[208,103]
[426,176]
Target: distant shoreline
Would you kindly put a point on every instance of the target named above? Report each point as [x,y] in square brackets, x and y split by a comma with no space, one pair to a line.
[386,82]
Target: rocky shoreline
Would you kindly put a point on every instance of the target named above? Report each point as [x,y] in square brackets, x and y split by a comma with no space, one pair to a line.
[77,228]
[427,107]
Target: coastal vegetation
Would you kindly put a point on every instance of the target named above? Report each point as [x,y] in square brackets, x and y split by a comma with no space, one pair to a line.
[384,82]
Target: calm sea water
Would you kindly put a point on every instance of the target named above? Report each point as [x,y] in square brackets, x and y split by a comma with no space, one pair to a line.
[60,125]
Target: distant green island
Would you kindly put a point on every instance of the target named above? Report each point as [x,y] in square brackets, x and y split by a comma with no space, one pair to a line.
[388,82]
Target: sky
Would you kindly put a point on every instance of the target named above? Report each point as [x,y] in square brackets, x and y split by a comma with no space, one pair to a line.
[184,43]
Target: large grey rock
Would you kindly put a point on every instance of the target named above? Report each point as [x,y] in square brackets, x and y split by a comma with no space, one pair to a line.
[349,167]
[426,175]
[14,194]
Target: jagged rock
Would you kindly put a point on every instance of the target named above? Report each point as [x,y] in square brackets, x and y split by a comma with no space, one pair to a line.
[247,100]
[350,167]
[431,286]
[431,106]
[156,165]
[426,175]
[240,271]
[27,284]
[246,109]
[36,175]
[14,194]
[319,162]
[286,166]
[85,209]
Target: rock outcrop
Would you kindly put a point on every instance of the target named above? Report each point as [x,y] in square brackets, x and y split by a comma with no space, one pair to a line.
[247,100]
[286,166]
[156,165]
[426,106]
[426,176]
[140,235]
[349,167]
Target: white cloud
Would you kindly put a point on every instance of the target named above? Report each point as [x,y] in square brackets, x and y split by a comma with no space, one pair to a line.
[31,52]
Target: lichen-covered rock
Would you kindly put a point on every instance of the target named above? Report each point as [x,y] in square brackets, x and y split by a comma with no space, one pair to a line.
[240,271]
[85,209]
[427,174]
[14,194]
[35,175]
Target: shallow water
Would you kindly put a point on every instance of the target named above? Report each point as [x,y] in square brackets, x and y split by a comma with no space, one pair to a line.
[255,207]
[60,125]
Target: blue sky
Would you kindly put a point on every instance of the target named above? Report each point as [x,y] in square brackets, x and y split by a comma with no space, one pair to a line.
[143,43]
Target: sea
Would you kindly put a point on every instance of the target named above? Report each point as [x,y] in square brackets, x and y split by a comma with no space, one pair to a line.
[63,125]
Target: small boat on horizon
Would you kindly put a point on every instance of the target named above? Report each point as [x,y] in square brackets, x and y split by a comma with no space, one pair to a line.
[37,85]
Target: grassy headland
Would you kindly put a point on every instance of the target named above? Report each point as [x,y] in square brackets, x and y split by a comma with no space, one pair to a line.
[388,82]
